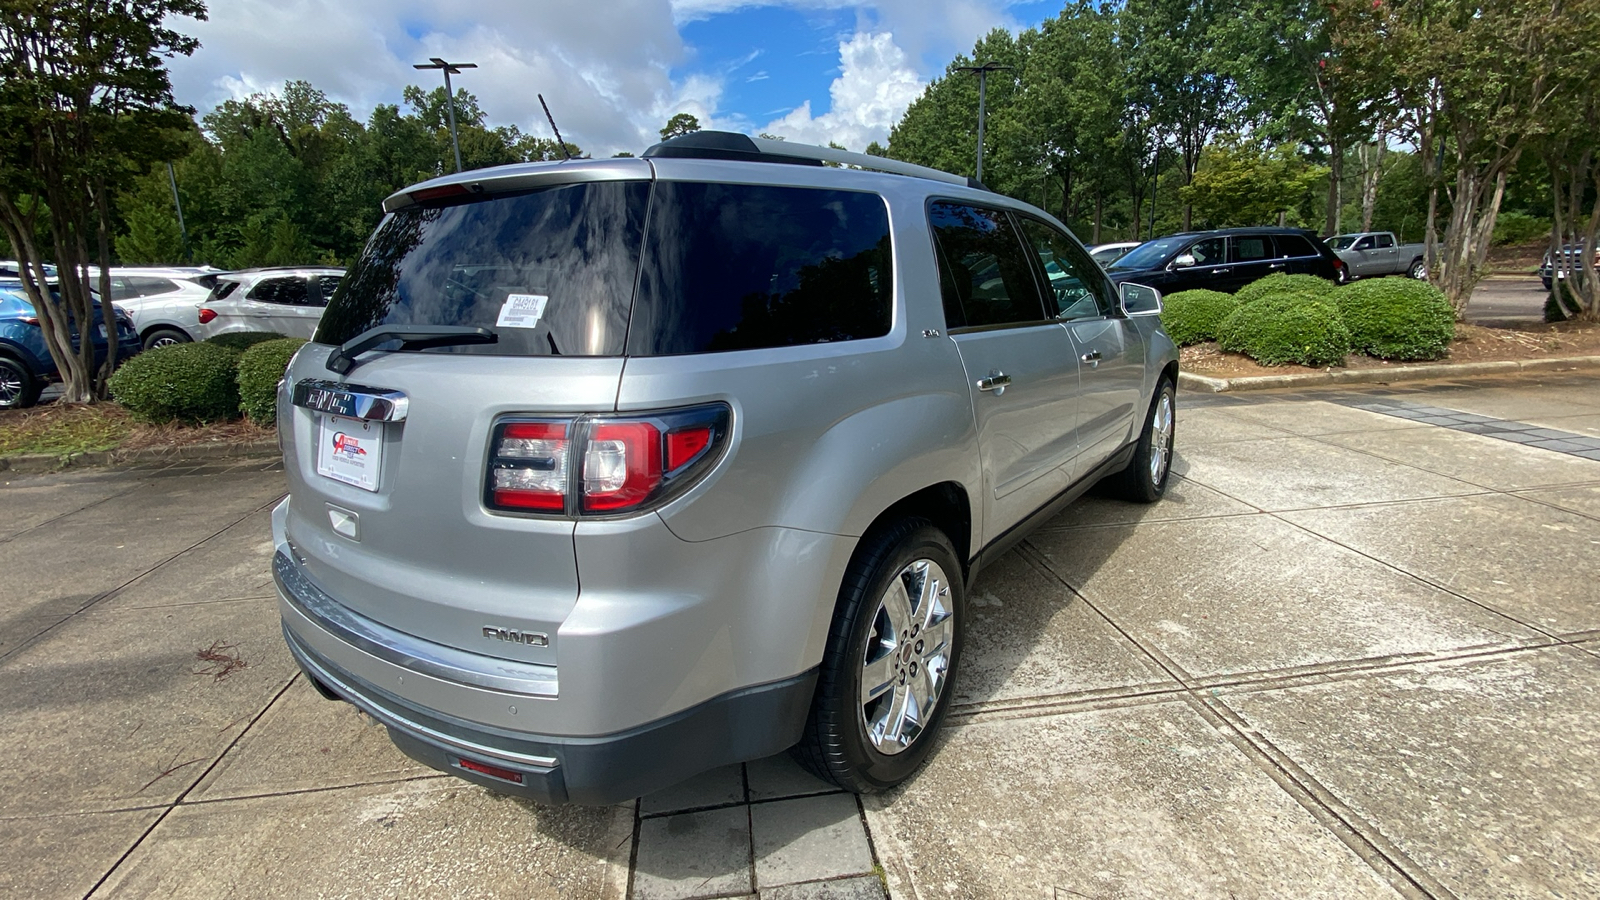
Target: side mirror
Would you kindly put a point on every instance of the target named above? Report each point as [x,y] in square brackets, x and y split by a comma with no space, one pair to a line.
[1184,261]
[1139,300]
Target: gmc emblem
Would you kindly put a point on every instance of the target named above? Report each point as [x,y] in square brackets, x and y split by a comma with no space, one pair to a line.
[531,638]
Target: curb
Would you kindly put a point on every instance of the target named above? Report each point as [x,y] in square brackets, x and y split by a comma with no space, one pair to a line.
[39,463]
[1206,385]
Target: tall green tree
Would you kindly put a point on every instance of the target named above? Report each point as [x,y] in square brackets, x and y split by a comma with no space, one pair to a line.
[679,125]
[86,105]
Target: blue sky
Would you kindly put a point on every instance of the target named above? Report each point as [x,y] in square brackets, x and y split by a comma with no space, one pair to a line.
[613,70]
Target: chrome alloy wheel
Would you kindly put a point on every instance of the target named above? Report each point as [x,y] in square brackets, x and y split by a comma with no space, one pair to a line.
[10,387]
[166,340]
[1161,438]
[907,659]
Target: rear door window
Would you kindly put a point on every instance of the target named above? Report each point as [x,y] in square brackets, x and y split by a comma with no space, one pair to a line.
[287,291]
[149,286]
[742,267]
[1251,247]
[326,284]
[1385,241]
[557,264]
[984,274]
[1293,245]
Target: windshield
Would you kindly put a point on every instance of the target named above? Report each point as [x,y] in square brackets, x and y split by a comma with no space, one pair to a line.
[1342,241]
[1150,254]
[551,270]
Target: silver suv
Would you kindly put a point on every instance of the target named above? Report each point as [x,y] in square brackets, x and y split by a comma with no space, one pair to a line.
[605,473]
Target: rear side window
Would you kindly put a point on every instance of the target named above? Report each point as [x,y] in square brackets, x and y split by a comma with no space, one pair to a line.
[984,273]
[743,267]
[1292,245]
[551,270]
[1385,241]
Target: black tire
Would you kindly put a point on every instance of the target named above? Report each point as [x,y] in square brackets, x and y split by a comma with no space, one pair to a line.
[19,388]
[836,744]
[1418,270]
[164,337]
[1142,481]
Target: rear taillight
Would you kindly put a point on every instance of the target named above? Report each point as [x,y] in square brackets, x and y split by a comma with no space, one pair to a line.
[601,465]
[206,315]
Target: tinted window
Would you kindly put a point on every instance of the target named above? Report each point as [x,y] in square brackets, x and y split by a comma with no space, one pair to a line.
[1291,245]
[1384,241]
[1149,254]
[122,289]
[984,273]
[1251,247]
[1364,244]
[290,291]
[149,286]
[560,261]
[325,288]
[738,267]
[1210,251]
[1076,287]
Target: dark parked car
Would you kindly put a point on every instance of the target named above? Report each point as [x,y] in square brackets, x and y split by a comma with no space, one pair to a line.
[1549,271]
[25,364]
[1227,259]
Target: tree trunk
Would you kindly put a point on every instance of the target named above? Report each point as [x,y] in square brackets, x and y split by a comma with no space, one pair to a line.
[1335,184]
[1099,210]
[1371,156]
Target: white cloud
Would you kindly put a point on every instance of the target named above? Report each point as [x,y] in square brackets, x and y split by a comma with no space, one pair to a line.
[607,68]
[602,67]
[875,85]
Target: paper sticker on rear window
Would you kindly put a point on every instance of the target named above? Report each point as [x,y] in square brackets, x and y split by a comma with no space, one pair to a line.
[522,310]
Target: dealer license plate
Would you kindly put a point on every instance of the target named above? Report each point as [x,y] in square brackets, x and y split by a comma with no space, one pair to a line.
[350,450]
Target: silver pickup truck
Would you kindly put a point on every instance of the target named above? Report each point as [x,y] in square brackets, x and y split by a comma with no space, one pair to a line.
[1372,253]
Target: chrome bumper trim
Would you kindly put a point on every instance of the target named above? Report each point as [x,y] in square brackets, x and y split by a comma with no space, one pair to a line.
[401,649]
[389,717]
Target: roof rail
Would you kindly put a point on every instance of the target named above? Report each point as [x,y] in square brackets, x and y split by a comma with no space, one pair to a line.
[732,145]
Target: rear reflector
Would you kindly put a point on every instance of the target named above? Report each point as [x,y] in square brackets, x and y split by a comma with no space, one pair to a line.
[685,444]
[491,771]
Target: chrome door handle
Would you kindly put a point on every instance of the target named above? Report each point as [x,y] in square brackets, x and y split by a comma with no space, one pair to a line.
[1277,265]
[1220,271]
[997,382]
[1092,358]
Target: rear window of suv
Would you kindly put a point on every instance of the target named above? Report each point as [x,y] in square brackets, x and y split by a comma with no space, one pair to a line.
[560,262]
[742,267]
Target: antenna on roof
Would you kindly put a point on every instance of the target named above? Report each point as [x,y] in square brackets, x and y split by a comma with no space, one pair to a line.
[553,127]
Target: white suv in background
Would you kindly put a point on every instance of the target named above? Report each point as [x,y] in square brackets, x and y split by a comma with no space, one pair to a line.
[287,301]
[164,302]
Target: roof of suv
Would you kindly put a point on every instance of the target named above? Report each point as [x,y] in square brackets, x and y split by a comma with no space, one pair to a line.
[282,270]
[736,149]
[1217,232]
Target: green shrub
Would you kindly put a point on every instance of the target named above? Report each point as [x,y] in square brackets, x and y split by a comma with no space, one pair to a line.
[1281,283]
[241,341]
[1397,318]
[1193,316]
[260,369]
[179,383]
[1560,305]
[1519,228]
[1286,328]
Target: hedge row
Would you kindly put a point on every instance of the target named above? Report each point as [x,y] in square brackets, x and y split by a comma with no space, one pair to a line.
[209,381]
[1307,320]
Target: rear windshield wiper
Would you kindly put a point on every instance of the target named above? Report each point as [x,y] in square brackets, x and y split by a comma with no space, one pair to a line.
[411,337]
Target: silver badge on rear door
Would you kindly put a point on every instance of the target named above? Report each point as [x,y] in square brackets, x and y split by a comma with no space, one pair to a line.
[511,635]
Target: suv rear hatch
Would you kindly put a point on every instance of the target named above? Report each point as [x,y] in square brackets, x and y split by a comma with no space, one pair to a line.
[386,512]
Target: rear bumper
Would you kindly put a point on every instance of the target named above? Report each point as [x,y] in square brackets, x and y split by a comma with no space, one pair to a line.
[739,725]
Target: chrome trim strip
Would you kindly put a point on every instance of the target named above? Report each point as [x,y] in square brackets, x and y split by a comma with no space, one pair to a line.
[401,649]
[353,401]
[306,658]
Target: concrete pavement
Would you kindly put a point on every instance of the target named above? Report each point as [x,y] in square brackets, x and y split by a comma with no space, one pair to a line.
[1354,653]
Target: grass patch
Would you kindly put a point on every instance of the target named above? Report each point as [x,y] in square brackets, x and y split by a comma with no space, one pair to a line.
[60,429]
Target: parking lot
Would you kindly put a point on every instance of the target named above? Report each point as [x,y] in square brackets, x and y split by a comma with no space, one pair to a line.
[1354,653]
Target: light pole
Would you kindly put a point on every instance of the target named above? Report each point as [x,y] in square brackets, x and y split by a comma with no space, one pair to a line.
[449,69]
[983,83]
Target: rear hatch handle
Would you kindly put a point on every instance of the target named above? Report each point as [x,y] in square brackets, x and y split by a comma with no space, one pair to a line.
[411,337]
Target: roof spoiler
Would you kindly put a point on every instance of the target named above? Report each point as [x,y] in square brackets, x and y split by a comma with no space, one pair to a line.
[734,146]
